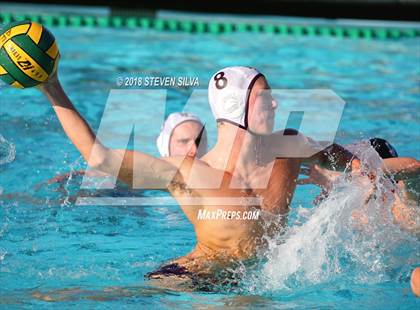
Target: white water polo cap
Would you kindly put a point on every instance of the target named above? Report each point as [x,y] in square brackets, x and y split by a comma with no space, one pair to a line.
[168,126]
[229,91]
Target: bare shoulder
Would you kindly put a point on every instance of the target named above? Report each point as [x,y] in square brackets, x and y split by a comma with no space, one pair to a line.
[179,160]
[195,173]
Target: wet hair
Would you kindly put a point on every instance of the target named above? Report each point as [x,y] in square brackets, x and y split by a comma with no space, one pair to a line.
[383,148]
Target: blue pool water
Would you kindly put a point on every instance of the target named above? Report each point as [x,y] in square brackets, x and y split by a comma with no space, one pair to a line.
[49,243]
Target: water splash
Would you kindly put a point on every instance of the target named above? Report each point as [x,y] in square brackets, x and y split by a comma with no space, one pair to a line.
[74,168]
[329,243]
[7,151]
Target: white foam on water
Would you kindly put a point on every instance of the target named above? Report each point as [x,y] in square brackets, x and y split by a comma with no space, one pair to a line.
[328,243]
[3,253]
[7,151]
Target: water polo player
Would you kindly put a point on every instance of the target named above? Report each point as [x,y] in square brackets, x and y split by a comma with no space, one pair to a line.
[182,134]
[403,203]
[243,157]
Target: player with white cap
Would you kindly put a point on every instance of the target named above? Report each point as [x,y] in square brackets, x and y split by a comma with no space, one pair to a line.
[182,133]
[240,174]
[229,92]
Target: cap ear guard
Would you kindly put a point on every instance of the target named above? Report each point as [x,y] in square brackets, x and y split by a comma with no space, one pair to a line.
[229,91]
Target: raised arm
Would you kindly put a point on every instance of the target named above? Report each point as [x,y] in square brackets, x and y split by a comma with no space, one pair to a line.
[150,170]
[74,125]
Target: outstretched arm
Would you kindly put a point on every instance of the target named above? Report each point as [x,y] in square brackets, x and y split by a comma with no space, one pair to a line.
[150,170]
[402,167]
[291,141]
[333,157]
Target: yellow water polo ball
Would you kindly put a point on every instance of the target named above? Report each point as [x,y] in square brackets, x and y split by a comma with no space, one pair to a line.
[28,54]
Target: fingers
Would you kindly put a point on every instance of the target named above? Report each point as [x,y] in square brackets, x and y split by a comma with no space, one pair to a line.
[59,178]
